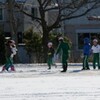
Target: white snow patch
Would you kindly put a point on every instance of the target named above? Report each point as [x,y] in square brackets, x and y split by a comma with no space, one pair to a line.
[31,82]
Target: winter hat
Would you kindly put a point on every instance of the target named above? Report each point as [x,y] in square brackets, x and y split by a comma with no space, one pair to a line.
[95,40]
[12,41]
[86,40]
[50,43]
[60,38]
[9,41]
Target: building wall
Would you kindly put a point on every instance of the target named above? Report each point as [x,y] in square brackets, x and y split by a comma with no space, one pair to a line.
[83,26]
[71,27]
[5,26]
[28,21]
[5,21]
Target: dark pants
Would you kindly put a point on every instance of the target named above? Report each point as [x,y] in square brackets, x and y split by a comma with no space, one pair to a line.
[85,62]
[9,64]
[49,62]
[96,59]
[64,62]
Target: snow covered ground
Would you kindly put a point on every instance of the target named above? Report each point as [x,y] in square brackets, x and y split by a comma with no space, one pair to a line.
[35,82]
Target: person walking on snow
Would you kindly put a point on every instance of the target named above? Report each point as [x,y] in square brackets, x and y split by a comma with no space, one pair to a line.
[50,54]
[86,52]
[14,52]
[65,53]
[8,54]
[13,49]
[96,53]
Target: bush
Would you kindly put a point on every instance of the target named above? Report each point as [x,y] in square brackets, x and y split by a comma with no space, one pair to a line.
[54,38]
[34,45]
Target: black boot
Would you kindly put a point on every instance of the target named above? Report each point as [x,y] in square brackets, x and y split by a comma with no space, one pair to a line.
[94,67]
[83,69]
[99,68]
[63,71]
[49,68]
[64,68]
[87,68]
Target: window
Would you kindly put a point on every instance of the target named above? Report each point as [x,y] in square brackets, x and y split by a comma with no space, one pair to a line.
[50,2]
[81,37]
[20,37]
[1,14]
[34,12]
[7,34]
[20,1]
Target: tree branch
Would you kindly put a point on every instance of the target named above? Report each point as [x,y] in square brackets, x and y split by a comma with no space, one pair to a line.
[30,15]
[82,14]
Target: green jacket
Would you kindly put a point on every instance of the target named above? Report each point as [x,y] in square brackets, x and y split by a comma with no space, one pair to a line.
[65,50]
[50,52]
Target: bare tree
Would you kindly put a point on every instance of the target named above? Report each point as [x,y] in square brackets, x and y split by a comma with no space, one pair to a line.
[66,9]
[14,21]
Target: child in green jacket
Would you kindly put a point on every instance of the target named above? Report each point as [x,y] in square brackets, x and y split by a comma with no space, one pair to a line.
[65,53]
[8,53]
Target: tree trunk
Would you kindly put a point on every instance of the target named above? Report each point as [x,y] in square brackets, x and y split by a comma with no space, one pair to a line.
[13,23]
[45,41]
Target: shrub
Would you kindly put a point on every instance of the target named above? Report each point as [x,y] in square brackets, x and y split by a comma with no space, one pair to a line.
[34,45]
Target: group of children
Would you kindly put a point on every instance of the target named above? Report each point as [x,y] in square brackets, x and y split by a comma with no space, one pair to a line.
[64,47]
[11,50]
[65,53]
[88,50]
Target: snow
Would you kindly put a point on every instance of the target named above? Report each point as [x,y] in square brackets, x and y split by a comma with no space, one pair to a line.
[35,82]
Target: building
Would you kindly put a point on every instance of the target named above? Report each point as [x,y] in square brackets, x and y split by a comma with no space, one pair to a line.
[75,29]
[24,23]
[78,28]
[5,27]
